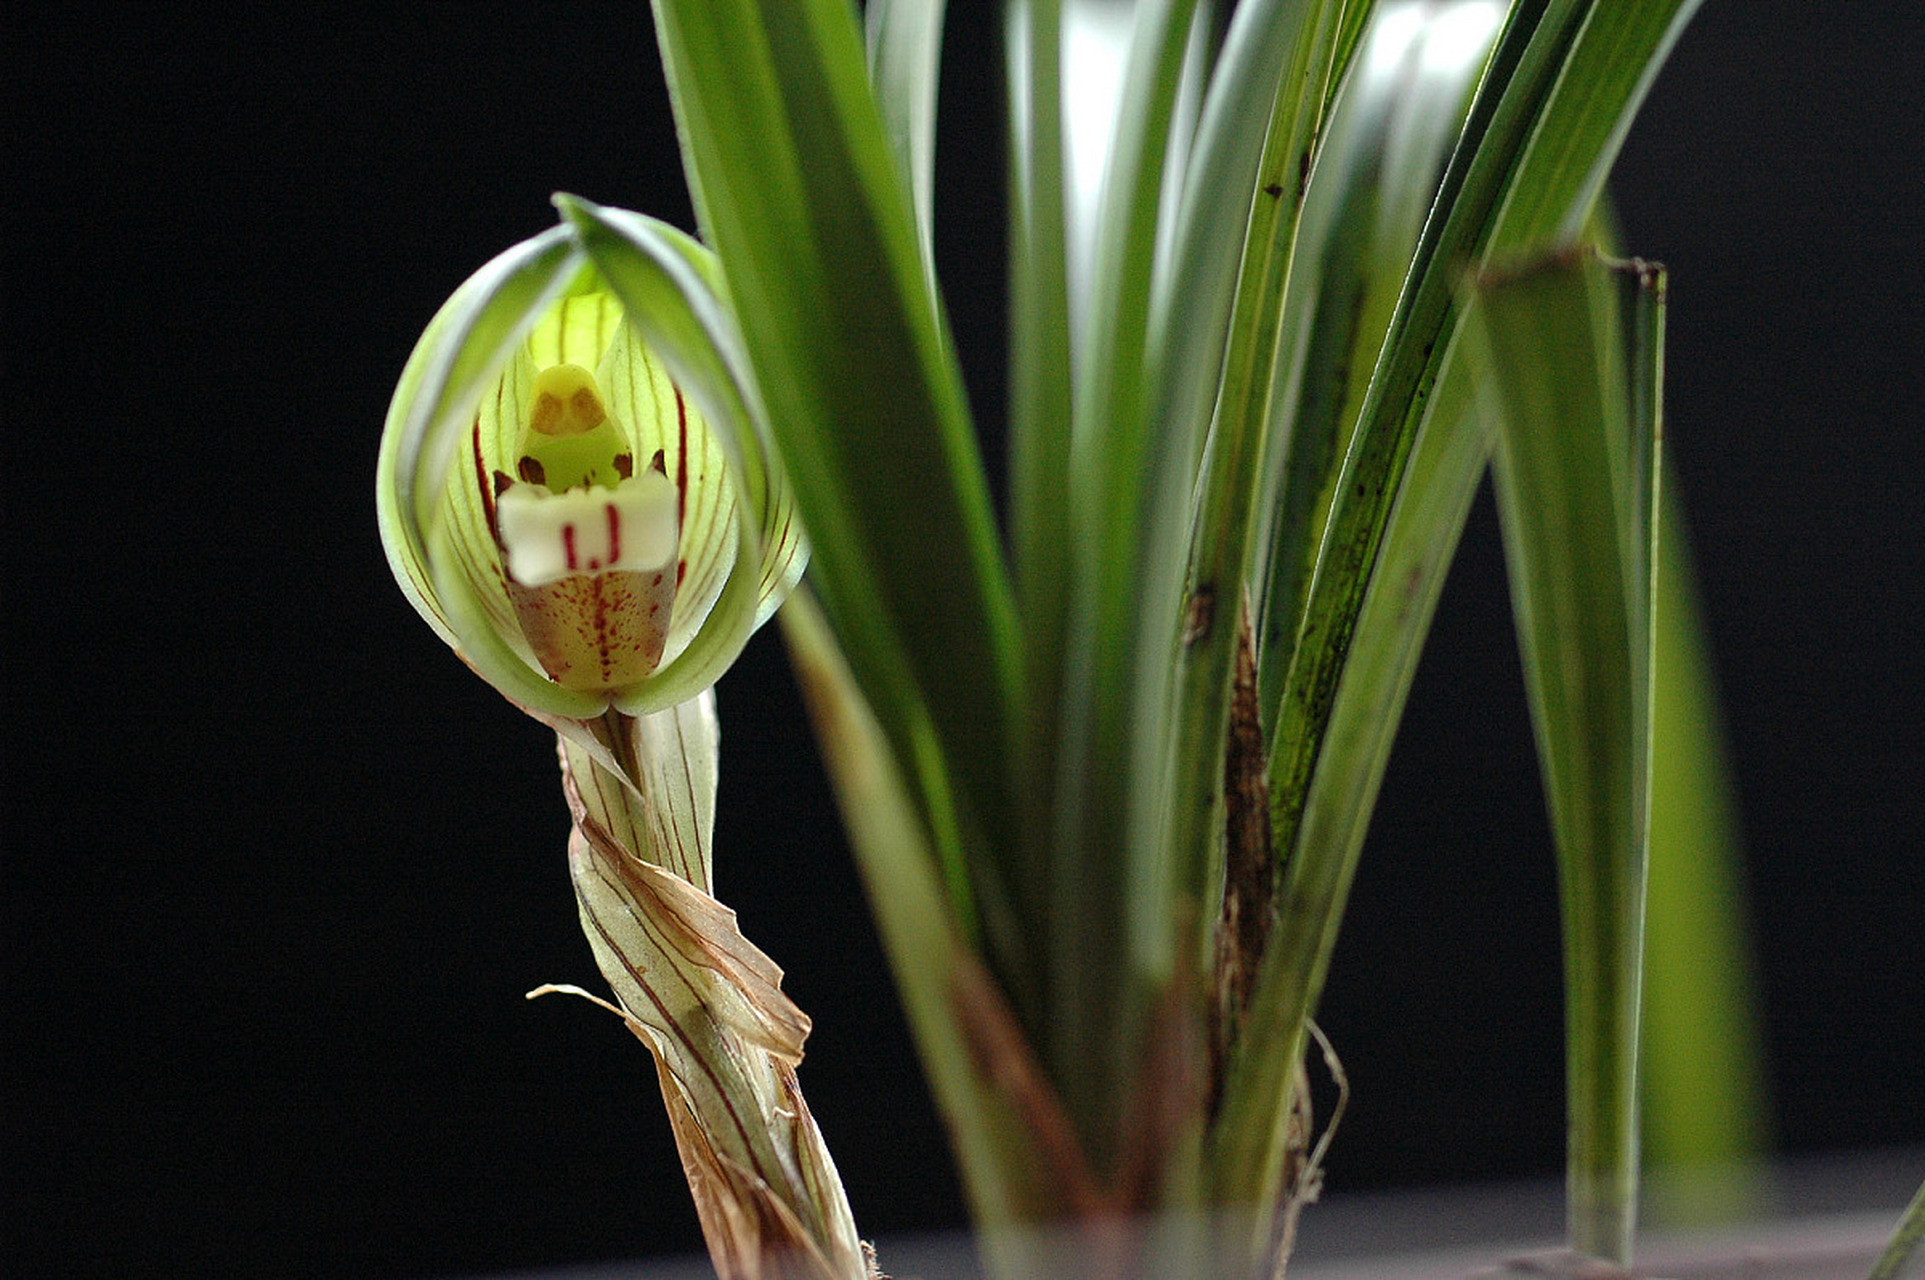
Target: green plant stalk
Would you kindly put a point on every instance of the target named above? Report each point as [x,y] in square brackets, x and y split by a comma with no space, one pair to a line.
[1217,855]
[1217,292]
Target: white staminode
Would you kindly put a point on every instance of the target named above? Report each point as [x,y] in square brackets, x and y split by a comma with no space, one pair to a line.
[548,536]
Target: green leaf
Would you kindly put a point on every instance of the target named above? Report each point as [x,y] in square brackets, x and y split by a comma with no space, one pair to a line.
[1041,548]
[1565,75]
[1905,1243]
[1704,1095]
[1361,224]
[1572,353]
[1251,1131]
[1515,85]
[1270,43]
[905,55]
[1380,161]
[1103,961]
[1226,513]
[1248,449]
[1019,1165]
[801,196]
[1356,18]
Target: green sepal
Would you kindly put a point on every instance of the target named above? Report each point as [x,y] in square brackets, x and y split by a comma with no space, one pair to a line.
[461,354]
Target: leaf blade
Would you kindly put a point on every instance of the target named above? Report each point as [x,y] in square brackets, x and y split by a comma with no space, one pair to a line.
[1354,177]
[802,199]
[1572,350]
[1093,1019]
[1704,1088]
[905,51]
[1017,1166]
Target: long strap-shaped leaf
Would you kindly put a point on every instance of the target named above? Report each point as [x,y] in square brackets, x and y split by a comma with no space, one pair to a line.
[1039,399]
[1021,1163]
[1517,86]
[1095,987]
[1381,150]
[1376,173]
[1379,167]
[1704,1103]
[905,52]
[803,200]
[1406,487]
[1572,354]
[1226,507]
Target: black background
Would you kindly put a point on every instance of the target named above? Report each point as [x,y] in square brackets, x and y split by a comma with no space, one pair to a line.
[278,869]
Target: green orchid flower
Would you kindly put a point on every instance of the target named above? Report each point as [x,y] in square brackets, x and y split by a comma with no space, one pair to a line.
[561,510]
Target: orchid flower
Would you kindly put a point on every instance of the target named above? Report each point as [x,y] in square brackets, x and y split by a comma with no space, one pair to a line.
[561,511]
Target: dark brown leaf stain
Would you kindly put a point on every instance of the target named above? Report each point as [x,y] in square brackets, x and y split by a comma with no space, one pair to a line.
[1200,614]
[1244,925]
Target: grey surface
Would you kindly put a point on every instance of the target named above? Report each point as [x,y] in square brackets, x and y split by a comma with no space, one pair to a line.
[1813,1219]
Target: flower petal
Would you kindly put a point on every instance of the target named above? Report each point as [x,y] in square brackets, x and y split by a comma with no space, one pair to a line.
[579,331]
[663,421]
[435,532]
